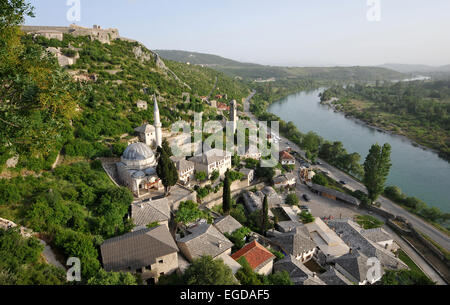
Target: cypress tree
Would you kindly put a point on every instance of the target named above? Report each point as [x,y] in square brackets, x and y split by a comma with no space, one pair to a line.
[226,204]
[376,170]
[265,216]
[166,171]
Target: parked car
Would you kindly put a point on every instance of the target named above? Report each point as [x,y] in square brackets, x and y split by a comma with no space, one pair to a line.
[342,182]
[306,197]
[305,208]
[319,163]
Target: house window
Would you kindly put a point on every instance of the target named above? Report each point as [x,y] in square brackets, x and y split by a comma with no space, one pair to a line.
[149,267]
[162,273]
[161,261]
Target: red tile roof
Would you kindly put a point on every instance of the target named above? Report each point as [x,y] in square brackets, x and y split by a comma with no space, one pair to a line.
[284,155]
[222,106]
[255,254]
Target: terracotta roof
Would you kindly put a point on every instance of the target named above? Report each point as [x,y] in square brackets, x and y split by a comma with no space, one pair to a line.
[254,253]
[284,155]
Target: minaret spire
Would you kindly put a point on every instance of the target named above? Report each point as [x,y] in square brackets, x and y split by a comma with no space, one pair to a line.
[157,123]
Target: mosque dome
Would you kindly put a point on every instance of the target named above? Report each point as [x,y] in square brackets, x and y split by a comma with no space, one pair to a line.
[138,156]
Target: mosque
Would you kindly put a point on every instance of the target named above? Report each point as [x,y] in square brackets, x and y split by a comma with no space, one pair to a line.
[137,167]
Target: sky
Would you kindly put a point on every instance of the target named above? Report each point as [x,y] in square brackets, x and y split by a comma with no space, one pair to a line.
[283,32]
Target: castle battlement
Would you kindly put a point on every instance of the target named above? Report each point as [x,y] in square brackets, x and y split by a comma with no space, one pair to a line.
[95,33]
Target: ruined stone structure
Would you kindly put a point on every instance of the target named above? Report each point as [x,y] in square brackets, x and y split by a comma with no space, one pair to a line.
[95,33]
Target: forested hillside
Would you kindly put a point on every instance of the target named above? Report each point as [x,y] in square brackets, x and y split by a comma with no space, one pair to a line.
[250,71]
[88,117]
[418,110]
[81,111]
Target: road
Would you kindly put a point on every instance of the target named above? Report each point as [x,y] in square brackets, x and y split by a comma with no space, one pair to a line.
[389,206]
[438,236]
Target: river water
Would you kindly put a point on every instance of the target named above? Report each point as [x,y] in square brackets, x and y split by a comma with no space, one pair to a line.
[418,172]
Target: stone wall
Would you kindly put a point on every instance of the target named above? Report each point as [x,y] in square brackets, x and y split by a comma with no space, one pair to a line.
[379,211]
[215,199]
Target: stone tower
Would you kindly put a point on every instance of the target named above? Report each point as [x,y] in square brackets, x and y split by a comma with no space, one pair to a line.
[158,125]
[233,115]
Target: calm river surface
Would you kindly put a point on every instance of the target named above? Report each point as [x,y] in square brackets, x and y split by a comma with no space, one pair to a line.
[416,171]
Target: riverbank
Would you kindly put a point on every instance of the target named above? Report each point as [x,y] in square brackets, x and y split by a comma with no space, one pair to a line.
[382,128]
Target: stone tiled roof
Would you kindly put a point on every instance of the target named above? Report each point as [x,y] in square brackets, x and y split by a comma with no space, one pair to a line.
[287,226]
[138,249]
[205,239]
[145,213]
[298,273]
[334,277]
[182,164]
[146,128]
[255,254]
[351,233]
[355,264]
[337,194]
[295,242]
[211,156]
[376,235]
[227,224]
[246,171]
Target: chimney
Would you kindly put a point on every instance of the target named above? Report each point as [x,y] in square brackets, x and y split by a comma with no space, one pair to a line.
[314,274]
[350,251]
[219,244]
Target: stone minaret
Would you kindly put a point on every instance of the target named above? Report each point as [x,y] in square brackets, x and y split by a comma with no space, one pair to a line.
[157,124]
[233,115]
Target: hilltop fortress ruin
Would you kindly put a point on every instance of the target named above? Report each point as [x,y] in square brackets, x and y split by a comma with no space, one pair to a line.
[57,32]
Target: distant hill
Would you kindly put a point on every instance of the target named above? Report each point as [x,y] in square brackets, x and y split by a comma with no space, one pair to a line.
[195,58]
[250,71]
[405,68]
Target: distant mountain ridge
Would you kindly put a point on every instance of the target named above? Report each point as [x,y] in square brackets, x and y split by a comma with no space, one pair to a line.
[411,68]
[251,71]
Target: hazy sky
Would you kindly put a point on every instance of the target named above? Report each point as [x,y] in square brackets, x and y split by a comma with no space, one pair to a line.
[283,32]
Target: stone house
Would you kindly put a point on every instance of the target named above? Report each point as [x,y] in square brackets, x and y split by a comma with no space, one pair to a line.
[185,169]
[147,212]
[212,160]
[204,239]
[148,252]
[259,258]
[286,158]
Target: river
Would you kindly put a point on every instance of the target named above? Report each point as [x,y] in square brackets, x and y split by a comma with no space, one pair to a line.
[418,172]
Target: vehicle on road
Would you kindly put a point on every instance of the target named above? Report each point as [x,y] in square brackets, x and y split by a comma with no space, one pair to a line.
[306,197]
[342,182]
[305,208]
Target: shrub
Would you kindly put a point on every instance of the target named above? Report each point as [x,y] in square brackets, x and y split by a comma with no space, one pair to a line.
[292,199]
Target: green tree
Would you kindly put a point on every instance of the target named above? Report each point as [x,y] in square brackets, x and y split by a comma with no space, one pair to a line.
[238,237]
[226,203]
[246,275]
[206,271]
[214,176]
[166,147]
[200,176]
[280,278]
[292,199]
[188,212]
[306,217]
[103,278]
[320,179]
[235,160]
[376,170]
[166,171]
[265,216]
